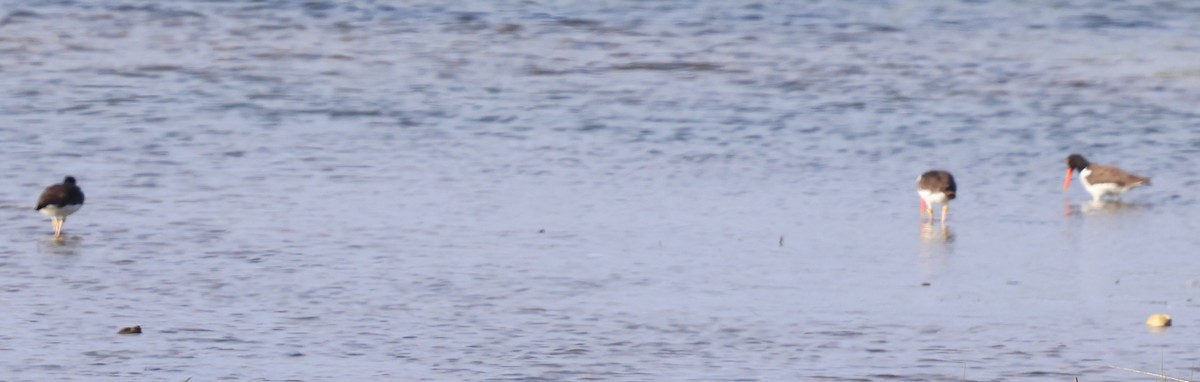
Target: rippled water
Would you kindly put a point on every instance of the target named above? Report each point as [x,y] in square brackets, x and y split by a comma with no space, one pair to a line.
[668,190]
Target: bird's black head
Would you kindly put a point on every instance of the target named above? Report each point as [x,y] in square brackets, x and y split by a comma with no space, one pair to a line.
[1077,162]
[69,180]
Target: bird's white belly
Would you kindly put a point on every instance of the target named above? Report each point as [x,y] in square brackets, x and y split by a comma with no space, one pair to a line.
[931,197]
[52,210]
[1105,188]
[1100,189]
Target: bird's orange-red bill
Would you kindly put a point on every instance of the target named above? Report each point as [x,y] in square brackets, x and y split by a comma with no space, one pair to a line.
[1067,182]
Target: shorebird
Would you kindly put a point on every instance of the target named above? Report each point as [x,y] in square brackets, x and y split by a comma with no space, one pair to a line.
[936,186]
[1101,180]
[59,201]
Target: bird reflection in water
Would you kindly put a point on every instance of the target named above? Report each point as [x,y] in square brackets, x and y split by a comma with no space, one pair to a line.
[1098,207]
[60,245]
[937,244]
[936,239]
[936,233]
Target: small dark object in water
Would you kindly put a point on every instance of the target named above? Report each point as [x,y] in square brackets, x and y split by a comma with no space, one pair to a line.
[509,28]
[925,284]
[136,329]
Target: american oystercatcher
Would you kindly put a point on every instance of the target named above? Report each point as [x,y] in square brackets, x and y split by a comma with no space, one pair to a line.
[59,201]
[1100,180]
[936,186]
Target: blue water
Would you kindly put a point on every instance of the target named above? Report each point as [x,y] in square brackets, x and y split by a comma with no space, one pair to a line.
[666,191]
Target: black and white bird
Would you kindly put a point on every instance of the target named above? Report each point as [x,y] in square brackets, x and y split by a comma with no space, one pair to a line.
[1100,180]
[59,201]
[936,187]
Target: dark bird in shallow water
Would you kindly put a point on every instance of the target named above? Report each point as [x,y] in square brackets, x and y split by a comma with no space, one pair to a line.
[1100,180]
[59,201]
[936,186]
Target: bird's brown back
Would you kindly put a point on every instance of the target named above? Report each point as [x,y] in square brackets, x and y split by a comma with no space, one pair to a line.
[938,181]
[60,195]
[1109,174]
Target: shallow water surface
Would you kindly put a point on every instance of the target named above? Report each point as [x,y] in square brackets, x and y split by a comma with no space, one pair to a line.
[622,191]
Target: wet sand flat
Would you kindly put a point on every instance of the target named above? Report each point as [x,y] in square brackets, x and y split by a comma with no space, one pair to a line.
[623,191]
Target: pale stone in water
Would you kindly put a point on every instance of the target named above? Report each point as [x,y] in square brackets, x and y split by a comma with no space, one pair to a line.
[1159,320]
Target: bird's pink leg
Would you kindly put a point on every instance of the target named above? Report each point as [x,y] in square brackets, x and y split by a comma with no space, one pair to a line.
[923,208]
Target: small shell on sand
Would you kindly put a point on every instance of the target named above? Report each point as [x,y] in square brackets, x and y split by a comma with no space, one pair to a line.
[131,330]
[1159,320]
